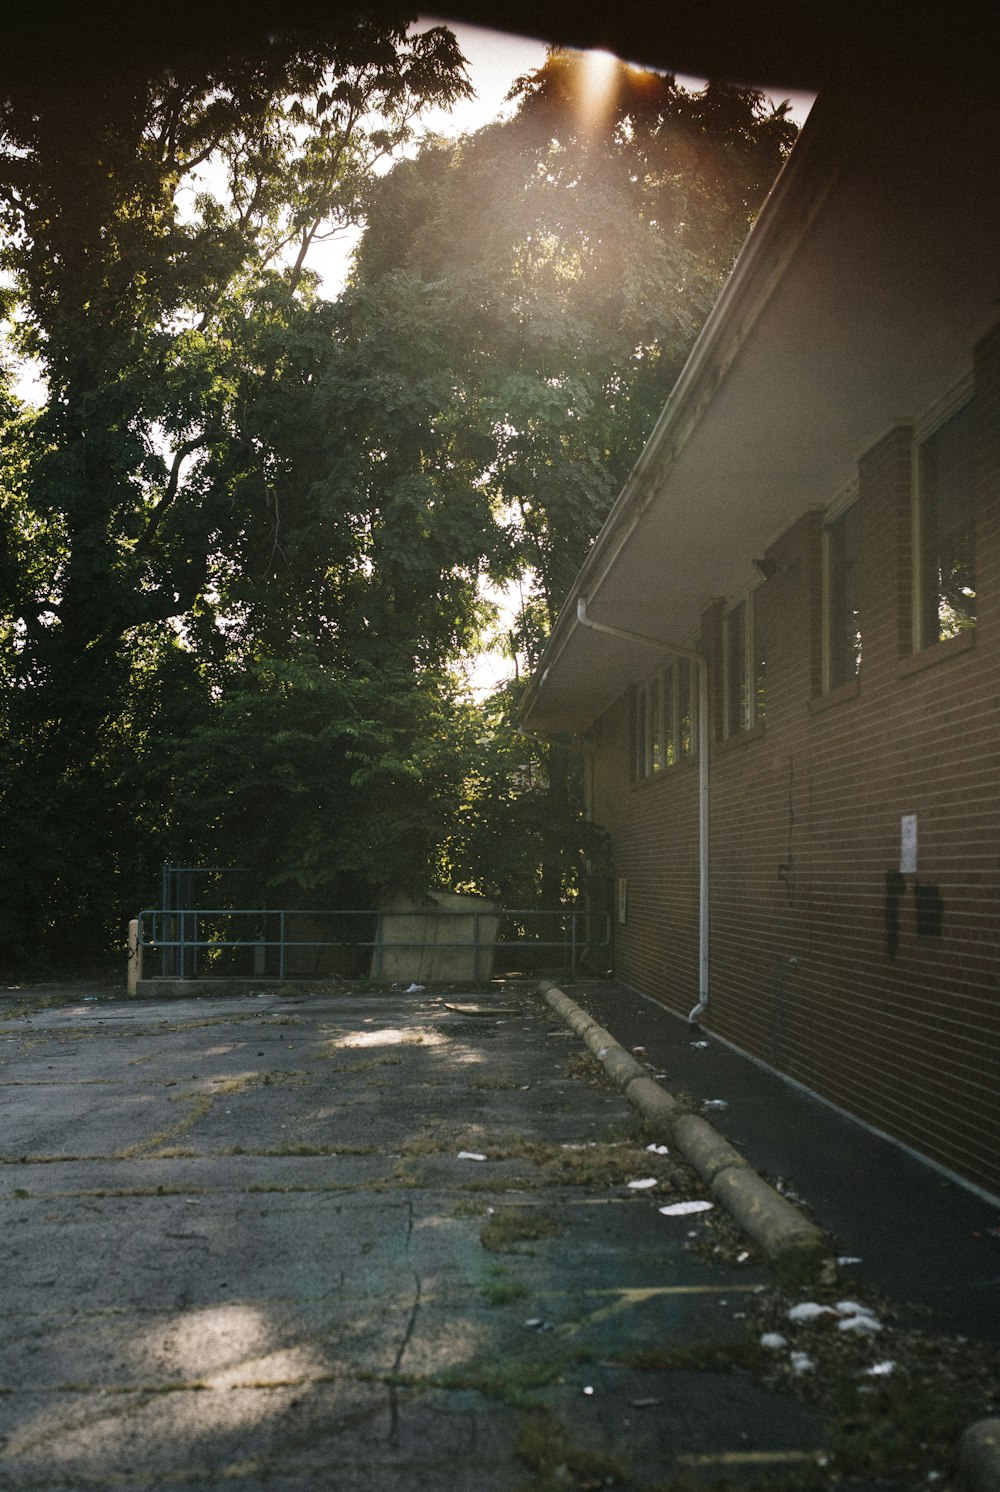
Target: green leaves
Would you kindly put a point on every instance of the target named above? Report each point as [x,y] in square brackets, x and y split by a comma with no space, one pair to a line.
[243,543]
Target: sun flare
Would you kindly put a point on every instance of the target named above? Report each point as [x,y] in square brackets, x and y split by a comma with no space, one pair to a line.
[599,71]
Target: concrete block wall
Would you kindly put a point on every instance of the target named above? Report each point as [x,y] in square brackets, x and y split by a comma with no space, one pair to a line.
[820,965]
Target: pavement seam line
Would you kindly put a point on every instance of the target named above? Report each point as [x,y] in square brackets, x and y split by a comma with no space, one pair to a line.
[770,1220]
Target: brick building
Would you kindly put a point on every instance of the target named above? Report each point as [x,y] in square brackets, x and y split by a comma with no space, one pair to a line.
[783,651]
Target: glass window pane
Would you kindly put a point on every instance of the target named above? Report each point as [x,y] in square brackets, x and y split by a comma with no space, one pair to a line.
[669,706]
[736,670]
[947,529]
[843,587]
[684,672]
[655,727]
[640,733]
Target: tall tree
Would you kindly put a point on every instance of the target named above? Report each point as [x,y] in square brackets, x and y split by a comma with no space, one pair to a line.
[580,246]
[149,220]
[583,242]
[242,543]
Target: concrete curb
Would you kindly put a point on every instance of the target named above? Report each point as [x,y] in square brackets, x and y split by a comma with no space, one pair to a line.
[778,1228]
[979,1456]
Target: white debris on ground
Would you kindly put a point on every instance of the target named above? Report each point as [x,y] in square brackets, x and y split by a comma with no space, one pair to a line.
[415,989]
[658,1149]
[642,1184]
[684,1209]
[470,1155]
[802,1362]
[864,1322]
[853,1317]
[715,1103]
[848,1259]
[880,1369]
[809,1310]
[699,1044]
[773,1341]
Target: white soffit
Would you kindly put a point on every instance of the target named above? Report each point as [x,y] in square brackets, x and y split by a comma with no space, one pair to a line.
[873,316]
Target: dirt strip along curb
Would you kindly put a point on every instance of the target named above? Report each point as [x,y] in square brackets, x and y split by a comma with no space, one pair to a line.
[777,1227]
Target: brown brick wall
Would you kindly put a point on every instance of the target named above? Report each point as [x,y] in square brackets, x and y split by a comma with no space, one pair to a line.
[906,1036]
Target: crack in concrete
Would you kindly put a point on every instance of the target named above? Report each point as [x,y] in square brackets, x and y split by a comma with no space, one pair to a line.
[393,1388]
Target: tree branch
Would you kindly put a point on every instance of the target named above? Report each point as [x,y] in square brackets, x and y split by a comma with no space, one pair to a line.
[170,491]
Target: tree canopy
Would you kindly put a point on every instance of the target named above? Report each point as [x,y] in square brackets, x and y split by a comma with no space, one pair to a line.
[243,539]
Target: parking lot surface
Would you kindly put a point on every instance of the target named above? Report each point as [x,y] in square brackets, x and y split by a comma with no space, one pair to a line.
[358,1240]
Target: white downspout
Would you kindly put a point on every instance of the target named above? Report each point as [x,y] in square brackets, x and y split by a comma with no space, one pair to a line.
[671,650]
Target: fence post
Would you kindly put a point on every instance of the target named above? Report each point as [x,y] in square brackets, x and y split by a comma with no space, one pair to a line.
[572,945]
[134,957]
[281,944]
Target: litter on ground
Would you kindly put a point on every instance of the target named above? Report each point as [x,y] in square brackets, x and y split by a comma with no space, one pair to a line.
[415,989]
[809,1310]
[880,1369]
[470,1155]
[643,1184]
[802,1362]
[658,1149]
[773,1341]
[684,1209]
[863,1322]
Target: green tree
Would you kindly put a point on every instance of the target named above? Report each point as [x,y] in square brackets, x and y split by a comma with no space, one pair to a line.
[148,222]
[242,543]
[580,246]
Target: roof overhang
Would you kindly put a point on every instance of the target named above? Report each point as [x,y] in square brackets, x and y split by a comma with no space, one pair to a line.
[872,271]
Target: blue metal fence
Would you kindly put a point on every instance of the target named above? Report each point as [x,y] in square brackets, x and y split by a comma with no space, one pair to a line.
[197,942]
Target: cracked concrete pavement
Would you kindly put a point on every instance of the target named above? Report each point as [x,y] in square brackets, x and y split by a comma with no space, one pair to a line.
[240,1248]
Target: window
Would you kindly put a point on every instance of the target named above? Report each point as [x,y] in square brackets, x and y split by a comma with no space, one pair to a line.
[744,669]
[841,584]
[663,719]
[736,669]
[946,530]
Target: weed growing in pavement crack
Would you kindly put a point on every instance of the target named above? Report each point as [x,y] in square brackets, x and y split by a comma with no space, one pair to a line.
[556,1463]
[507,1227]
[500,1289]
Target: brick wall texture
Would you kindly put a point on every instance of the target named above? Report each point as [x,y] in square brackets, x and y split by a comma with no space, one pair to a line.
[822,971]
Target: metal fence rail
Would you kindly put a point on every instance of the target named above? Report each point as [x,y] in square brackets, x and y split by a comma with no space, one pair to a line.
[200,942]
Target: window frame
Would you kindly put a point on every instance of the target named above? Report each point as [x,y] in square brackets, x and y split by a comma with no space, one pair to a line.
[748,712]
[956,402]
[849,500]
[658,742]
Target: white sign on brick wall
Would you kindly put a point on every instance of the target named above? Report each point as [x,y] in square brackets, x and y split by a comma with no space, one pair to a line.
[908,845]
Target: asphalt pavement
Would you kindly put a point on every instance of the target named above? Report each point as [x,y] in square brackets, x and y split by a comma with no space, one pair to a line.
[916,1234]
[385,1241]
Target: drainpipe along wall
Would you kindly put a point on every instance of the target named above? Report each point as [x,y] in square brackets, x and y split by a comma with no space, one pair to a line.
[670,650]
